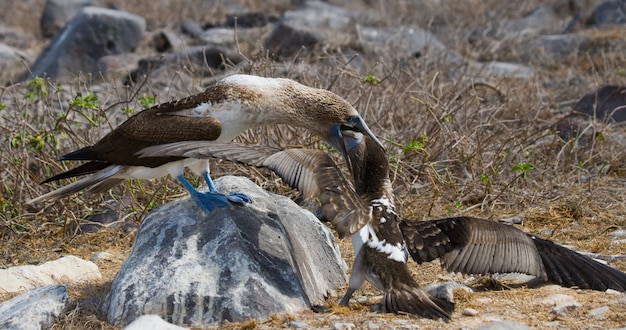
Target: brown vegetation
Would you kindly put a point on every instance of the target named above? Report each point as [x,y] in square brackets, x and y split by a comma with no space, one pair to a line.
[457,146]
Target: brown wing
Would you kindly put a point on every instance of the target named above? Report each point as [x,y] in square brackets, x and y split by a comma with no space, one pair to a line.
[569,268]
[477,246]
[472,246]
[312,172]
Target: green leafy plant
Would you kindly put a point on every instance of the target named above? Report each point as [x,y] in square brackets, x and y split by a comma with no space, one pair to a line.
[87,101]
[371,80]
[522,168]
[37,90]
[415,145]
[146,101]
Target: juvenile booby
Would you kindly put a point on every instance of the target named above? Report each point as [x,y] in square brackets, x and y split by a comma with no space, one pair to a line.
[463,244]
[220,113]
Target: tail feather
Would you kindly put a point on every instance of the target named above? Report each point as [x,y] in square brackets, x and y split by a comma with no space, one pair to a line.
[416,301]
[86,168]
[96,180]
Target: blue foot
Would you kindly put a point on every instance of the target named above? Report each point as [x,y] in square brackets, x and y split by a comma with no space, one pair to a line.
[212,199]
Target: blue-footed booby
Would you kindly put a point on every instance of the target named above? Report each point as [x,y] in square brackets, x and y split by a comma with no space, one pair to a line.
[220,113]
[366,212]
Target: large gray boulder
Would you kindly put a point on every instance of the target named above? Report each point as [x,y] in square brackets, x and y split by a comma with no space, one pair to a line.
[58,12]
[35,309]
[91,34]
[202,268]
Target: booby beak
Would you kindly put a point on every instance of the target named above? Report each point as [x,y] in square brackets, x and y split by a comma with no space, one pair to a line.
[348,135]
[360,125]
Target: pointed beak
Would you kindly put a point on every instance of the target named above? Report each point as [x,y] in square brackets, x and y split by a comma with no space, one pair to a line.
[358,122]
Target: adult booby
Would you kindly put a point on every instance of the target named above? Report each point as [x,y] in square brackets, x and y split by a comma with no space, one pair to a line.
[220,113]
[463,244]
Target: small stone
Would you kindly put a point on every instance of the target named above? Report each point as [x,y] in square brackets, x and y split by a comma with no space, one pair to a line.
[556,299]
[503,325]
[446,290]
[563,308]
[611,291]
[298,325]
[371,325]
[552,324]
[101,256]
[514,220]
[35,309]
[65,270]
[469,312]
[152,322]
[618,233]
[598,311]
[343,326]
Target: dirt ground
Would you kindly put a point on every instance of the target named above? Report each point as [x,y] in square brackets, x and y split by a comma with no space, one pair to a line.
[455,145]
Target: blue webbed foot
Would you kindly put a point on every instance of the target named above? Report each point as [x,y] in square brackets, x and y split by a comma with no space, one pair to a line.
[212,199]
[240,198]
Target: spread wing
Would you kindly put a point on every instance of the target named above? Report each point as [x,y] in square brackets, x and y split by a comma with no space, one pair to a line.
[310,171]
[477,246]
[472,246]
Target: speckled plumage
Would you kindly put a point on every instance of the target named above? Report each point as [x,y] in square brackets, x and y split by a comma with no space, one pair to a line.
[220,113]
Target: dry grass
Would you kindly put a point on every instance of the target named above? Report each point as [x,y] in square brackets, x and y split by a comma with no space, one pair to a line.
[452,140]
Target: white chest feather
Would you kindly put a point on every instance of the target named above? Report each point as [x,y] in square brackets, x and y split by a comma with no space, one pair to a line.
[367,236]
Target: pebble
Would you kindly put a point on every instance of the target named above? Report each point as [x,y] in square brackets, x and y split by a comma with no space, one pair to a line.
[552,324]
[621,233]
[598,311]
[514,220]
[152,322]
[343,326]
[556,299]
[469,312]
[564,307]
[298,325]
[503,325]
[101,256]
[371,325]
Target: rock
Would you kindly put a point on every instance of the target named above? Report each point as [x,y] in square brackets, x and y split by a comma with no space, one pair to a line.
[500,69]
[565,307]
[8,54]
[90,35]
[446,290]
[101,256]
[249,20]
[197,59]
[298,325]
[10,58]
[618,233]
[232,264]
[610,12]
[514,220]
[556,299]
[343,326]
[600,311]
[66,270]
[503,325]
[515,278]
[404,42]
[117,67]
[35,309]
[470,312]
[607,102]
[58,12]
[151,322]
[315,22]
[554,50]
